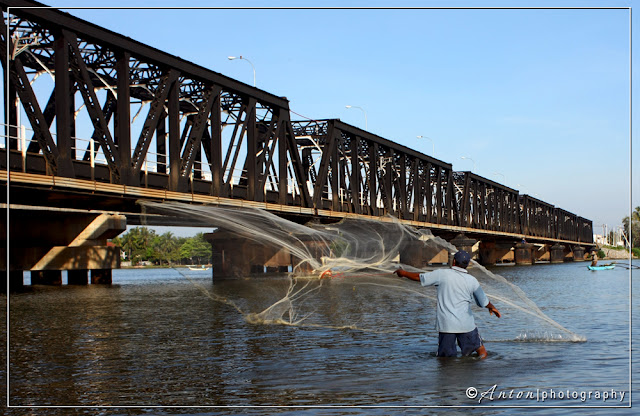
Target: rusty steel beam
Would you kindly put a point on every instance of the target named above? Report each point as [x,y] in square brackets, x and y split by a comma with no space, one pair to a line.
[219,138]
[52,18]
[84,82]
[197,129]
[151,122]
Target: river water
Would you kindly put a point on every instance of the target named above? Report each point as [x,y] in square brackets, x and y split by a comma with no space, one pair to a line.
[171,341]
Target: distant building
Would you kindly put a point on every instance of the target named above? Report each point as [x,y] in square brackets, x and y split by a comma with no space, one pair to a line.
[600,240]
[618,240]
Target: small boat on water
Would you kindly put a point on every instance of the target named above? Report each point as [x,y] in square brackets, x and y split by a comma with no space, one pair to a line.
[603,267]
[198,268]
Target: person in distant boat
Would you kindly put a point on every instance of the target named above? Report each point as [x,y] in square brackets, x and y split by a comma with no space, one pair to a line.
[594,258]
[456,290]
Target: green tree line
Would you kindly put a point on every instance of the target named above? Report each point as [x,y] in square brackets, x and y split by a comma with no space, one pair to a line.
[633,224]
[143,244]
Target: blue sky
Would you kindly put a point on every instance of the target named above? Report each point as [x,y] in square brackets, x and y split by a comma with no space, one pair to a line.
[538,98]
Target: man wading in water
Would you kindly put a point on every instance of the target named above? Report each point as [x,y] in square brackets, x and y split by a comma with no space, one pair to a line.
[456,289]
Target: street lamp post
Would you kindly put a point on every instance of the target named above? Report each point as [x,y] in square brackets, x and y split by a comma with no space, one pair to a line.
[365,114]
[433,147]
[468,158]
[231,58]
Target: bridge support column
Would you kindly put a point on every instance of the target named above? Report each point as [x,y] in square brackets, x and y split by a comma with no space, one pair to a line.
[524,254]
[462,242]
[279,262]
[492,252]
[541,253]
[232,256]
[16,281]
[578,253]
[433,255]
[412,254]
[46,277]
[47,241]
[235,256]
[78,277]
[316,250]
[557,253]
[101,276]
[417,254]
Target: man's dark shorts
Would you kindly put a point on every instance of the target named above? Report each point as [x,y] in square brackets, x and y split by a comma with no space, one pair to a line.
[468,342]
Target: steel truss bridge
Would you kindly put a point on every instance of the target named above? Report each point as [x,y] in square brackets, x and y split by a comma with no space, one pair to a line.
[97,120]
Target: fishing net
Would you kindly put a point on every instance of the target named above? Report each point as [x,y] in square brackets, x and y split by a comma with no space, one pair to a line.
[348,265]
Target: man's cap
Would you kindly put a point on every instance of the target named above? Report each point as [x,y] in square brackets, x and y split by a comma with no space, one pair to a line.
[462,258]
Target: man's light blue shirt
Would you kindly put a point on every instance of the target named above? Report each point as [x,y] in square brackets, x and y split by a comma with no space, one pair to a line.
[457,289]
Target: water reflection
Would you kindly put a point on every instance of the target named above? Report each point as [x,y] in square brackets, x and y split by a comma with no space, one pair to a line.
[155,338]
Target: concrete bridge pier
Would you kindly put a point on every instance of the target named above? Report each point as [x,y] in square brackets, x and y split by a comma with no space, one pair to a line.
[417,254]
[46,241]
[232,256]
[492,252]
[557,253]
[279,262]
[316,250]
[78,277]
[434,255]
[524,254]
[236,256]
[578,253]
[542,253]
[462,242]
[101,276]
[46,277]
[16,281]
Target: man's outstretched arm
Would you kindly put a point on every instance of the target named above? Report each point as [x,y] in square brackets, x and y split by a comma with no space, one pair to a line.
[408,275]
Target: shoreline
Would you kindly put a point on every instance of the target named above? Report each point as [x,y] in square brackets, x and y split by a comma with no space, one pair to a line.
[165,266]
[613,254]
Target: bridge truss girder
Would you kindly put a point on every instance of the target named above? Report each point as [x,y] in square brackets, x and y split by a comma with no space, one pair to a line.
[157,121]
[358,172]
[189,110]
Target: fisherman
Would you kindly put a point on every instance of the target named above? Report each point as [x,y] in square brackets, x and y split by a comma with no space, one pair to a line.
[594,258]
[456,290]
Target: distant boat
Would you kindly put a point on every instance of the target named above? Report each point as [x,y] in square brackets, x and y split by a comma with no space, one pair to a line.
[605,267]
[198,269]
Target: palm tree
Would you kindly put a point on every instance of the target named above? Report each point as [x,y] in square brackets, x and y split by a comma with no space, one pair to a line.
[164,248]
[633,226]
[135,243]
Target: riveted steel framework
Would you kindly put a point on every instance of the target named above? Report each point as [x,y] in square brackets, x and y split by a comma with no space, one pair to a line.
[487,205]
[106,108]
[355,171]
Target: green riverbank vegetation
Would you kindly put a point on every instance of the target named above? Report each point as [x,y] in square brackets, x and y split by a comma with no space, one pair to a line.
[632,228]
[143,246]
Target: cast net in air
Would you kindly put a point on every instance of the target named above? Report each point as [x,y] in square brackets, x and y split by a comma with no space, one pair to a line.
[342,275]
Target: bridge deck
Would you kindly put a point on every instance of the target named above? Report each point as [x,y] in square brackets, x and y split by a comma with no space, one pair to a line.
[105,191]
